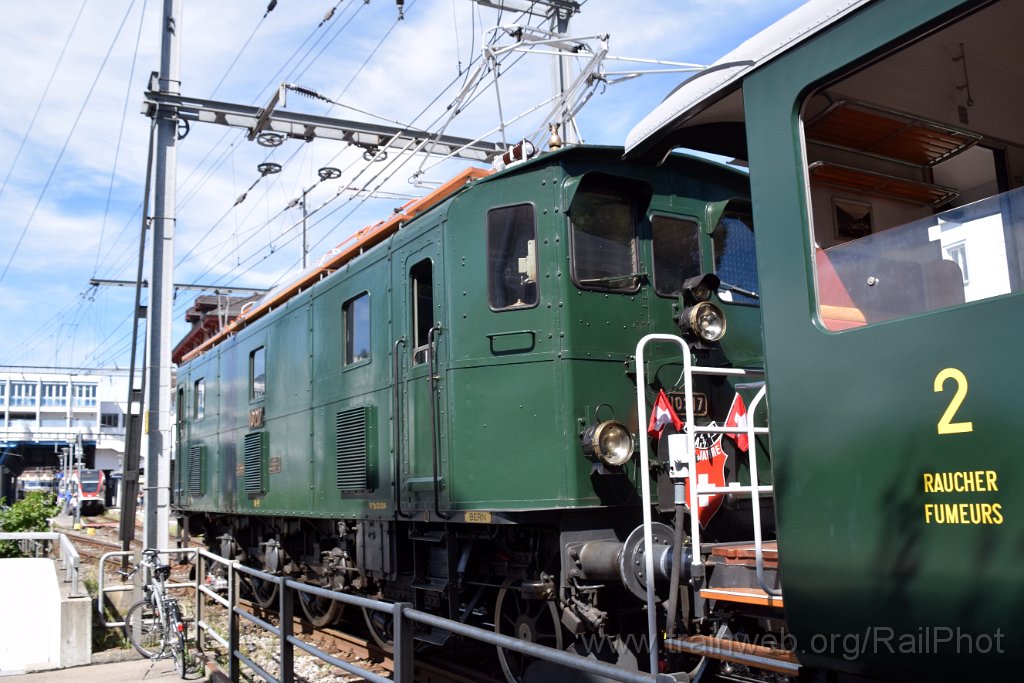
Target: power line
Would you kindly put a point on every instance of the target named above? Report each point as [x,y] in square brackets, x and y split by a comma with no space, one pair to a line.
[63,149]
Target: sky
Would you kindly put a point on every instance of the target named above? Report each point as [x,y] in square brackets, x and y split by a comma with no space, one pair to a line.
[73,143]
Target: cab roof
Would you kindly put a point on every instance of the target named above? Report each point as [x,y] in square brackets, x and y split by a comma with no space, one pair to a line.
[705,110]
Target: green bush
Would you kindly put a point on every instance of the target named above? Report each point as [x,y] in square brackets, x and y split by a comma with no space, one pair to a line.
[31,514]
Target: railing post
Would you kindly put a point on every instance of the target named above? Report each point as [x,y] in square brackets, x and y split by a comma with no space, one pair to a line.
[200,562]
[286,674]
[402,633]
[233,668]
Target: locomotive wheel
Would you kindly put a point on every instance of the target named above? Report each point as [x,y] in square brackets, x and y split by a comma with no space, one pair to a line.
[264,593]
[320,612]
[535,621]
[379,626]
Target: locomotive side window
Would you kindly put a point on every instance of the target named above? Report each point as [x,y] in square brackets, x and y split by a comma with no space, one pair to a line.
[199,400]
[421,284]
[512,257]
[676,244]
[735,261]
[604,253]
[357,329]
[915,182]
[257,374]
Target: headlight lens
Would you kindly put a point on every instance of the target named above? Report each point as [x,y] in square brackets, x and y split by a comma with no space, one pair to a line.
[610,442]
[706,321]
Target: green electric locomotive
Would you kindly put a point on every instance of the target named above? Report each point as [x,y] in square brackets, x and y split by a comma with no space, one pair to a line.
[886,160]
[444,412]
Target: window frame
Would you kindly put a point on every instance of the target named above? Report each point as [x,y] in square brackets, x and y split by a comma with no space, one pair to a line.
[603,185]
[199,399]
[699,227]
[419,355]
[262,351]
[536,259]
[347,325]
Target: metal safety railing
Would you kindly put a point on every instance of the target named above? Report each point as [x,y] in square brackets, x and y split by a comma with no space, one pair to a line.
[104,590]
[69,560]
[403,615]
[683,463]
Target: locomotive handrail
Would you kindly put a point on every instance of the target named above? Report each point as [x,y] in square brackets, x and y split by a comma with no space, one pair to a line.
[435,447]
[689,437]
[396,428]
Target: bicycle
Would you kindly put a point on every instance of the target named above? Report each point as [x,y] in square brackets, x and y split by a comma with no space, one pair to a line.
[154,625]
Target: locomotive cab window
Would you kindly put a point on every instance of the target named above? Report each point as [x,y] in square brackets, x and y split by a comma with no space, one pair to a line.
[421,295]
[735,260]
[356,314]
[676,244]
[915,182]
[603,220]
[257,374]
[199,400]
[512,257]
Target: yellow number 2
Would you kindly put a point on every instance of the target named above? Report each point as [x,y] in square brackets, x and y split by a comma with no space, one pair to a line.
[946,424]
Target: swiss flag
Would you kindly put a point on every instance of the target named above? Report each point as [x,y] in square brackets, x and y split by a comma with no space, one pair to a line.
[662,415]
[738,418]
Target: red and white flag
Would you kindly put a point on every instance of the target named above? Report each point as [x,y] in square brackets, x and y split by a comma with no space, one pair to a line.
[661,415]
[738,418]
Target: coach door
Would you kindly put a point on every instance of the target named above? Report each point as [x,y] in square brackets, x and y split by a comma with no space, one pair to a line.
[419,363]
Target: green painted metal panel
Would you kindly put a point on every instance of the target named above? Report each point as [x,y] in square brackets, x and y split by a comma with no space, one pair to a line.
[854,427]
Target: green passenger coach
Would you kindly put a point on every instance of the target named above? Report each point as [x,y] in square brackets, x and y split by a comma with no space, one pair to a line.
[886,159]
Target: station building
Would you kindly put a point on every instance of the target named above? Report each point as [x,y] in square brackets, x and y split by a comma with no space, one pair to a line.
[52,417]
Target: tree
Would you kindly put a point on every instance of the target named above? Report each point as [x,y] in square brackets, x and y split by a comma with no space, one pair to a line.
[31,514]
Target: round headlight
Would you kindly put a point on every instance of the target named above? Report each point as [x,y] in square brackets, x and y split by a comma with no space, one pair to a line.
[706,321]
[610,442]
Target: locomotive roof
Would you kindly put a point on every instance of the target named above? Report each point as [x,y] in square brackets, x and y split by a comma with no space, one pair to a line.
[708,92]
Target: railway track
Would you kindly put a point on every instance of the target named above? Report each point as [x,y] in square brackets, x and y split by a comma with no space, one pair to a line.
[346,645]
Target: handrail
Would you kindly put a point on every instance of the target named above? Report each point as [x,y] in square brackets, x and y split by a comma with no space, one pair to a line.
[683,464]
[68,554]
[435,447]
[102,589]
[403,616]
[396,427]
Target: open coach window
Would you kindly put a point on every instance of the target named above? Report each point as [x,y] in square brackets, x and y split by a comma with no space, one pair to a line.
[914,164]
[603,217]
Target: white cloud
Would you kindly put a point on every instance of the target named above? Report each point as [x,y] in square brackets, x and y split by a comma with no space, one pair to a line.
[59,251]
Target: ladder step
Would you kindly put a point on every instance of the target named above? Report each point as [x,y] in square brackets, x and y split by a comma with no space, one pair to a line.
[431,584]
[746,596]
[757,656]
[434,636]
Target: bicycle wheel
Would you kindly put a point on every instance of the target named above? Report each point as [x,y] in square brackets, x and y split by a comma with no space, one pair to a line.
[183,663]
[144,630]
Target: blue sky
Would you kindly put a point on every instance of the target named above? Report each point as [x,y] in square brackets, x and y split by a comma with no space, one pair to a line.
[73,143]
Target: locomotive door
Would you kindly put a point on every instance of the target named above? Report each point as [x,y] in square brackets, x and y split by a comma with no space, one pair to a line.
[419,351]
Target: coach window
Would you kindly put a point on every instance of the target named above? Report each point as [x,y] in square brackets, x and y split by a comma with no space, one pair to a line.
[199,400]
[357,329]
[915,180]
[257,374]
[735,260]
[603,223]
[676,244]
[421,285]
[512,257]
